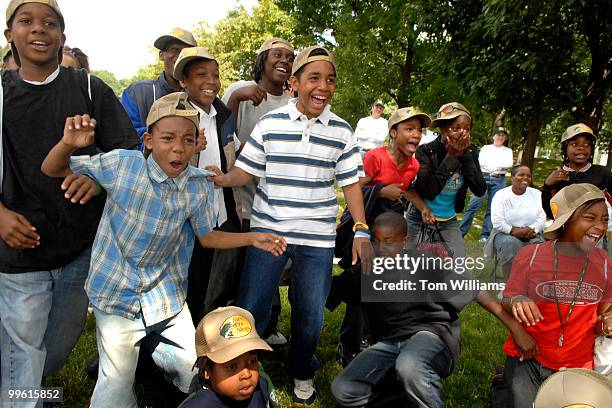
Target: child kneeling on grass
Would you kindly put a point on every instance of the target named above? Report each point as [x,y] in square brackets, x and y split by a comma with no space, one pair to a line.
[138,273]
[417,336]
[226,343]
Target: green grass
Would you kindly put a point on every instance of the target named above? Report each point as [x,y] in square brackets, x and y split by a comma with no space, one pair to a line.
[468,386]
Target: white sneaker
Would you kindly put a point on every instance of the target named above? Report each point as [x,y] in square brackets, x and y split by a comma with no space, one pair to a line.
[304,393]
[276,339]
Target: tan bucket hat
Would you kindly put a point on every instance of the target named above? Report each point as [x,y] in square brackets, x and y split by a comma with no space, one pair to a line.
[187,55]
[403,114]
[566,201]
[304,58]
[449,111]
[575,388]
[177,34]
[226,333]
[15,4]
[575,130]
[173,104]
[275,43]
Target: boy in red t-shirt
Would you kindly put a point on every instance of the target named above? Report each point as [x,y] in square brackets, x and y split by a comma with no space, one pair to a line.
[554,290]
[395,164]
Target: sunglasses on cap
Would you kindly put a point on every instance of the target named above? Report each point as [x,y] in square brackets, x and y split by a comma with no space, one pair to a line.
[447,110]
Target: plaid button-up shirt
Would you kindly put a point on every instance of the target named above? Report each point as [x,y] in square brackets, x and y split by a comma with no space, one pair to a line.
[144,242]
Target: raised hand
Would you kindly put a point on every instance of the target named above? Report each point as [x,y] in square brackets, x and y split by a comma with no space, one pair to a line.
[79,131]
[253,93]
[201,141]
[556,176]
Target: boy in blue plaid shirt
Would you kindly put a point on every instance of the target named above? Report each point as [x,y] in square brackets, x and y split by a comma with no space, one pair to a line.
[138,274]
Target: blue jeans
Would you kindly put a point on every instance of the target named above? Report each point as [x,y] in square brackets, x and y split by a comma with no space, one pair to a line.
[40,311]
[310,283]
[507,246]
[408,370]
[494,184]
[523,379]
[119,340]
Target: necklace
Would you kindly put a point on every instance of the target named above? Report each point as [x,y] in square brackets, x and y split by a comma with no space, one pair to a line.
[569,313]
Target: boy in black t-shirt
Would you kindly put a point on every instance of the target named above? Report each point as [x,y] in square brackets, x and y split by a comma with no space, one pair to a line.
[45,239]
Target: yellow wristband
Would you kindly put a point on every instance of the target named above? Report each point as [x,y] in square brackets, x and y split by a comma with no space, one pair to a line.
[362,224]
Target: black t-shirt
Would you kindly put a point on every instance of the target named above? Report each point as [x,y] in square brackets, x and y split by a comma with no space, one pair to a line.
[599,176]
[399,320]
[207,398]
[33,122]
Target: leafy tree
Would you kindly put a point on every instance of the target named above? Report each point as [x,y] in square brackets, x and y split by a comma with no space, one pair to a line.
[234,41]
[111,80]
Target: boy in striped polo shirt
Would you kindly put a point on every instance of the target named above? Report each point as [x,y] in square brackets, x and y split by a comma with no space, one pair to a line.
[297,151]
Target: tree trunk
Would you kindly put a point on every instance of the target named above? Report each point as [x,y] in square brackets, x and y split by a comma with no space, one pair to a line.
[595,21]
[531,135]
[403,95]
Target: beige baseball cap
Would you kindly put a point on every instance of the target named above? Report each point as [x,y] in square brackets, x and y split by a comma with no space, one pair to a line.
[226,333]
[575,130]
[575,388]
[275,43]
[403,114]
[304,58]
[566,201]
[173,104]
[177,34]
[449,111]
[187,55]
[15,4]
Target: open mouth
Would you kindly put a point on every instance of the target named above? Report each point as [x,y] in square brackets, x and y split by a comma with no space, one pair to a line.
[318,101]
[40,45]
[176,165]
[281,69]
[592,238]
[210,92]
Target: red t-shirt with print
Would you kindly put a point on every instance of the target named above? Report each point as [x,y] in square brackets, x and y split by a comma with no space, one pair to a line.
[378,165]
[535,280]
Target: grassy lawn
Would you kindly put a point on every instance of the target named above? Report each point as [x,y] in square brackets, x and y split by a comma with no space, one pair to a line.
[468,386]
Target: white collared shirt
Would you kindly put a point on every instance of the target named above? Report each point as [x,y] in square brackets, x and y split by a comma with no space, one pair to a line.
[211,156]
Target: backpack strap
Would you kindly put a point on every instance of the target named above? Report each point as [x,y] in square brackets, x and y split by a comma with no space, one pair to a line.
[1,150]
[89,86]
[154,96]
[535,251]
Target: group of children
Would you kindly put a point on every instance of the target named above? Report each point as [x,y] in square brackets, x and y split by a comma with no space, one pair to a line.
[122,235]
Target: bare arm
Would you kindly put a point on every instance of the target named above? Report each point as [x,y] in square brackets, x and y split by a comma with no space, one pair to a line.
[226,240]
[236,177]
[354,202]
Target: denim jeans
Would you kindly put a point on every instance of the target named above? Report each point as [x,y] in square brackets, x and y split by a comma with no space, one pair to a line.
[523,379]
[310,282]
[415,365]
[507,246]
[449,230]
[494,184]
[42,315]
[119,341]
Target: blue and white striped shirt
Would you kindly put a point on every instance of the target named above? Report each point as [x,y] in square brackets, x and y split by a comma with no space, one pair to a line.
[297,160]
[144,242]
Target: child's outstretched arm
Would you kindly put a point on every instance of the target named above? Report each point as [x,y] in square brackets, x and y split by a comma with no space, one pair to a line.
[78,132]
[262,240]
[236,177]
